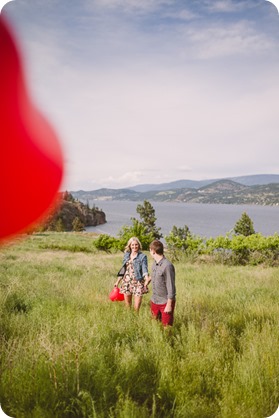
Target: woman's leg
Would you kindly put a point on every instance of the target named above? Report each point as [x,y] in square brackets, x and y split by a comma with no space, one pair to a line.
[137,302]
[128,300]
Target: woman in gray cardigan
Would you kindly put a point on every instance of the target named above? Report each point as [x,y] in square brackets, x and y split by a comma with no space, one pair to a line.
[136,275]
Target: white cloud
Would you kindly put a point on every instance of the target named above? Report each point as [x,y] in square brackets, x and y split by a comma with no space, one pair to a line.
[221,41]
[228,6]
[128,6]
[184,14]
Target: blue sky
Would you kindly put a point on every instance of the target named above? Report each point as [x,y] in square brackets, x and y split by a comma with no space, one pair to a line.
[153,91]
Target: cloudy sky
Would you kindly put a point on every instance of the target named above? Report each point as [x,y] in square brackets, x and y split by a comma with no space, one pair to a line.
[151,91]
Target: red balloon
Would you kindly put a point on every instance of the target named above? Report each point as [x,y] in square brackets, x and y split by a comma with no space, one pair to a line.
[31,161]
[115,295]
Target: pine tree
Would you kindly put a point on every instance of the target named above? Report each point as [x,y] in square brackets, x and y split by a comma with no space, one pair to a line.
[59,226]
[77,225]
[177,239]
[68,196]
[244,226]
[148,219]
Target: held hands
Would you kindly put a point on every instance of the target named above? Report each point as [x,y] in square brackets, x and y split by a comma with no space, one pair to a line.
[146,282]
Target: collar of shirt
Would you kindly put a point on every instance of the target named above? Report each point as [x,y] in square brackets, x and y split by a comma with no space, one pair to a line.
[158,263]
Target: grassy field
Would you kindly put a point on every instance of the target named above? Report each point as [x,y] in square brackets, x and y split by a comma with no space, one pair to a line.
[68,351]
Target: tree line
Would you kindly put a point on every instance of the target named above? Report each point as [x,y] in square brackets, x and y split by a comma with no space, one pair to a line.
[243,245]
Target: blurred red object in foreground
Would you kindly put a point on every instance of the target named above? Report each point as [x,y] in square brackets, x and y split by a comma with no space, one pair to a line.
[31,162]
[115,295]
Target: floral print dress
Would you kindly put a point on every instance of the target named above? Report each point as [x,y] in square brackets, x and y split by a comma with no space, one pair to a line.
[130,285]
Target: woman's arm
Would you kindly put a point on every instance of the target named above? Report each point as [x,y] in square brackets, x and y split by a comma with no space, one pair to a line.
[144,265]
[117,281]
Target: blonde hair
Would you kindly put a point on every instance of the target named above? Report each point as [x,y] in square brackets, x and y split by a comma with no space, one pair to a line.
[128,246]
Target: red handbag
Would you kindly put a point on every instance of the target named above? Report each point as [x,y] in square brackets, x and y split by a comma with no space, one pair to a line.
[115,295]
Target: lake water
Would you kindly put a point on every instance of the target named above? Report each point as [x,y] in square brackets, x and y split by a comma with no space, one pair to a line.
[205,220]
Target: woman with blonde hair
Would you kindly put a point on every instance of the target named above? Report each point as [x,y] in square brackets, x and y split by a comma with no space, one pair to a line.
[135,275]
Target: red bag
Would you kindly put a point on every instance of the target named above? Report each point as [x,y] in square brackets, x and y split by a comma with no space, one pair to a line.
[115,295]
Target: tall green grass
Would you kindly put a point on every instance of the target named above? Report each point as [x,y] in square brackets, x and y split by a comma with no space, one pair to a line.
[68,351]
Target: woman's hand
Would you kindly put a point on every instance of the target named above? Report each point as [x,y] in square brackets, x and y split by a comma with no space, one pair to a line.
[145,289]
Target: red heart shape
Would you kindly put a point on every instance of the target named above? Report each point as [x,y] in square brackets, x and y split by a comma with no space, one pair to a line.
[115,295]
[31,162]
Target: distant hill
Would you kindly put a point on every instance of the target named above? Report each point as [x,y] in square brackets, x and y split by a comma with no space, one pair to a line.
[225,191]
[179,184]
[252,180]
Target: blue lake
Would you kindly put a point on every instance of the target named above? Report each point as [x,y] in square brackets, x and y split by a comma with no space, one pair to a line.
[202,219]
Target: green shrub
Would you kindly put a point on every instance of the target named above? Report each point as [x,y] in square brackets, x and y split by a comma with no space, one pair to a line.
[106,243]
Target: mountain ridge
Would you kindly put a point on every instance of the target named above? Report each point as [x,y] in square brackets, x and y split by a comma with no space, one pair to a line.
[222,191]
[250,180]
